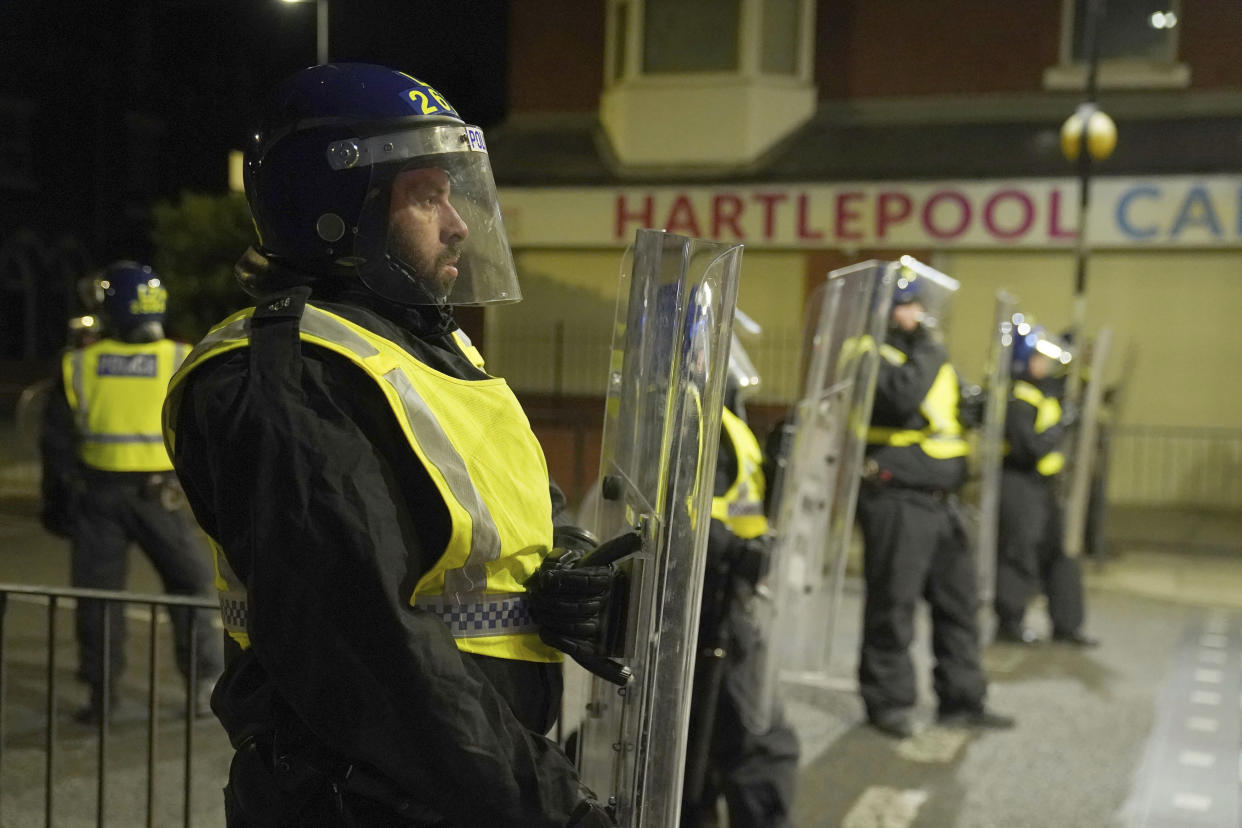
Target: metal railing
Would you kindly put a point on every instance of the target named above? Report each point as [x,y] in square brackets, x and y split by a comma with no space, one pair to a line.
[65,758]
[1190,468]
[572,359]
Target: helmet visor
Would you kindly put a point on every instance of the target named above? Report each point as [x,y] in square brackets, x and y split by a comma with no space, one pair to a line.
[443,238]
[931,289]
[1034,341]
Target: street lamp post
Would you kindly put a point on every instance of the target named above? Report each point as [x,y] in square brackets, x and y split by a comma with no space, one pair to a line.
[1087,135]
[321,28]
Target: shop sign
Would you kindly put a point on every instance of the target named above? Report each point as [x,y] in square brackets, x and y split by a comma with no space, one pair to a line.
[1161,211]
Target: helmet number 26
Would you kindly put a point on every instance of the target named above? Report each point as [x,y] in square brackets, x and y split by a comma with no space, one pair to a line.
[430,102]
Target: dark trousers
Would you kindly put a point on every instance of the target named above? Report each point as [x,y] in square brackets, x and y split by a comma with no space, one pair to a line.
[756,771]
[1031,555]
[915,546]
[109,517]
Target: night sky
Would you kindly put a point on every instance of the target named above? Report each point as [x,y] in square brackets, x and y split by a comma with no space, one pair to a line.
[193,74]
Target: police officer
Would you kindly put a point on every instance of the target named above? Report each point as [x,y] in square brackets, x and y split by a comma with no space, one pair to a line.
[1031,552]
[377,502]
[108,481]
[753,765]
[913,535]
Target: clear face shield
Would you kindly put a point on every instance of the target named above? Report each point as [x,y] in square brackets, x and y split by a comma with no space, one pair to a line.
[925,293]
[445,242]
[1048,355]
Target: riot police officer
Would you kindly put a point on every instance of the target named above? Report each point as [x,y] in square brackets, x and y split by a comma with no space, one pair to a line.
[106,469]
[752,761]
[377,501]
[1031,552]
[914,539]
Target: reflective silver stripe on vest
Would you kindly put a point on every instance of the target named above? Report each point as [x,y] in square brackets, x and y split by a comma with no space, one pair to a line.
[493,615]
[91,437]
[237,329]
[466,583]
[79,388]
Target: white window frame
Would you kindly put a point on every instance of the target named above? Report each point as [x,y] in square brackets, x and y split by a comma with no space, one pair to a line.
[1115,73]
[750,30]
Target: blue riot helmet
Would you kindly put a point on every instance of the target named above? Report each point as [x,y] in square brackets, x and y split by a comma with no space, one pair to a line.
[362,172]
[133,301]
[1033,342]
[907,289]
[931,290]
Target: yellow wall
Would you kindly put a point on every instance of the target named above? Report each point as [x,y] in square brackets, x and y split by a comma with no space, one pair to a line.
[1174,315]
[577,289]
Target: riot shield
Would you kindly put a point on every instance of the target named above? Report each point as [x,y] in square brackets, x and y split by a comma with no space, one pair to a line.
[930,288]
[661,424]
[990,447]
[1083,453]
[817,487]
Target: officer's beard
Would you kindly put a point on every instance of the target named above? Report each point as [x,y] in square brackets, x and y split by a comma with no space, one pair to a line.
[428,273]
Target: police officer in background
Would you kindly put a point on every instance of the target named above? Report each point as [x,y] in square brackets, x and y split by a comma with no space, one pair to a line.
[377,502]
[108,481]
[753,766]
[1031,552]
[914,540]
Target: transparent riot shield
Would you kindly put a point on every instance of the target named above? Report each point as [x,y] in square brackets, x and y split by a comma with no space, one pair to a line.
[930,288]
[817,487]
[990,447]
[1083,453]
[661,433]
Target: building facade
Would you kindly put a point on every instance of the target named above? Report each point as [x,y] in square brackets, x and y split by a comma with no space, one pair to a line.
[819,134]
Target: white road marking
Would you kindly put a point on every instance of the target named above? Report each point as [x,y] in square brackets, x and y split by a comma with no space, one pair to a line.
[880,805]
[1192,802]
[934,745]
[1213,640]
[1207,675]
[1207,697]
[1203,724]
[1196,759]
[1212,656]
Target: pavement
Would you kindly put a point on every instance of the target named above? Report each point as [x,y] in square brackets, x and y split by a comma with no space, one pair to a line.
[1141,732]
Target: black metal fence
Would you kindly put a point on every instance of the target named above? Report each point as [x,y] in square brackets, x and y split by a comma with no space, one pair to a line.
[158,765]
[1189,468]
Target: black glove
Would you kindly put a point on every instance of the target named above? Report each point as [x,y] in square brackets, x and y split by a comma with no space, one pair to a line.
[750,558]
[569,601]
[972,406]
[590,814]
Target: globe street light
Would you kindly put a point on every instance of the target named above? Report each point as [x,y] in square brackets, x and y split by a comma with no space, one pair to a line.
[321,28]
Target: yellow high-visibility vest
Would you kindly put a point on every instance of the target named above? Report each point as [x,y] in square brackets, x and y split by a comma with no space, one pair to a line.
[1047,414]
[942,437]
[476,444]
[116,390]
[741,506]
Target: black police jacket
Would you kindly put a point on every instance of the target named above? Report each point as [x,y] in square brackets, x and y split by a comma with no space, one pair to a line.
[329,519]
[1025,445]
[899,392]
